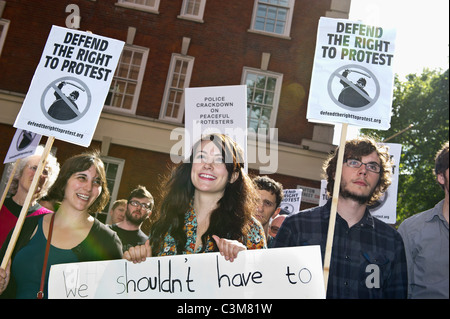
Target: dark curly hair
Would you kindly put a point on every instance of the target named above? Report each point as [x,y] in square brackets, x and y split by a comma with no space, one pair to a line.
[234,210]
[356,149]
[268,184]
[80,163]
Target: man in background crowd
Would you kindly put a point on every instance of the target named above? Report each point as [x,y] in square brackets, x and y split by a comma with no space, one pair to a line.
[271,195]
[140,204]
[426,242]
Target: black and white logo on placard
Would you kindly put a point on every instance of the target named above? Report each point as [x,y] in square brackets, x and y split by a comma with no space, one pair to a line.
[24,140]
[353,87]
[66,100]
[288,207]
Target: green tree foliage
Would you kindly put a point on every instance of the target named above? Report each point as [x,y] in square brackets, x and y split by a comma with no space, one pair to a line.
[423,101]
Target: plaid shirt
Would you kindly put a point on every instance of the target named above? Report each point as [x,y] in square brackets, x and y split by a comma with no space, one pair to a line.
[367,261]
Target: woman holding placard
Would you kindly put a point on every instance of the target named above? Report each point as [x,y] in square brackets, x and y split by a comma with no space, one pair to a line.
[75,235]
[207,206]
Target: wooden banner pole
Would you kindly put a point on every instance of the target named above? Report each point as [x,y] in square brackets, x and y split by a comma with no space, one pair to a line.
[8,185]
[334,202]
[24,211]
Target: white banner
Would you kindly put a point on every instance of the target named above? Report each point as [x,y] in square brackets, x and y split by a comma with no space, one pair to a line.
[69,87]
[294,272]
[352,79]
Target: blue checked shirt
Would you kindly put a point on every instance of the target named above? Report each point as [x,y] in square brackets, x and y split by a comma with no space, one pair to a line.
[367,260]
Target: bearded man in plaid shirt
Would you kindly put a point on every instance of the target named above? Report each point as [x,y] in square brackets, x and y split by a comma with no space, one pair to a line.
[368,256]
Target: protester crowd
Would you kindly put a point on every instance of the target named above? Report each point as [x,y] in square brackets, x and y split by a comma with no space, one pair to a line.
[210,204]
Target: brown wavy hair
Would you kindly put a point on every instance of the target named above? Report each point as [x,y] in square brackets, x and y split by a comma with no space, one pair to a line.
[80,163]
[356,149]
[234,210]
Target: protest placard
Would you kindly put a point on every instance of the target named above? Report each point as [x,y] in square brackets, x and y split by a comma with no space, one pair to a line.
[323,192]
[69,86]
[297,273]
[352,79]
[23,144]
[291,200]
[385,208]
[310,194]
[216,109]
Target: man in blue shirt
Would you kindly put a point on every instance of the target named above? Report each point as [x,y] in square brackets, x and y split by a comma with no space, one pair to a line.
[426,242]
[368,257]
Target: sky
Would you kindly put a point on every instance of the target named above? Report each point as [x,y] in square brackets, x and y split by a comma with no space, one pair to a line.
[422,35]
[422,30]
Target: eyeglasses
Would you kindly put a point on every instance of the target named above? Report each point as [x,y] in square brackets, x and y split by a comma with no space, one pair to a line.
[135,203]
[371,167]
[34,168]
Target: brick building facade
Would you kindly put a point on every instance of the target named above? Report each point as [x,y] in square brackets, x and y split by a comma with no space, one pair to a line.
[171,45]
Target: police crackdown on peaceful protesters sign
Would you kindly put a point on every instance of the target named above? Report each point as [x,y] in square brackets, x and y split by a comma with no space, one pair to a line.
[70,85]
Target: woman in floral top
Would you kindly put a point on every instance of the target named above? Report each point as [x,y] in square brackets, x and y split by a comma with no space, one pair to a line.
[207,206]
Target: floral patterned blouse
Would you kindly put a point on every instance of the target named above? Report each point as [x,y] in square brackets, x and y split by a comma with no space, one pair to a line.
[255,238]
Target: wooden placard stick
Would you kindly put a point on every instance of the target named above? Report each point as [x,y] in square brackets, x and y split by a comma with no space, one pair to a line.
[8,185]
[334,202]
[26,204]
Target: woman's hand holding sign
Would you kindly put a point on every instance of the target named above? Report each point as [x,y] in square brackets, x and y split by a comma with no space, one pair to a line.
[227,248]
[138,253]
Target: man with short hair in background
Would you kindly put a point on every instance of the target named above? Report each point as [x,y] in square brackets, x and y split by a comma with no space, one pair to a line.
[426,242]
[140,204]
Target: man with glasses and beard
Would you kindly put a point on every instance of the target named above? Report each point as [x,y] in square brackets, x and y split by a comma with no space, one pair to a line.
[139,207]
[368,256]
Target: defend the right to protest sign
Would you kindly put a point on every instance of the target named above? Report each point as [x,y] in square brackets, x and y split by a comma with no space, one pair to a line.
[352,79]
[69,86]
[291,200]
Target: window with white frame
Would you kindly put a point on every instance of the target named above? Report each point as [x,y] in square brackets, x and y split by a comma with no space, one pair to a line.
[126,84]
[113,168]
[144,5]
[263,95]
[178,78]
[193,9]
[4,25]
[273,16]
